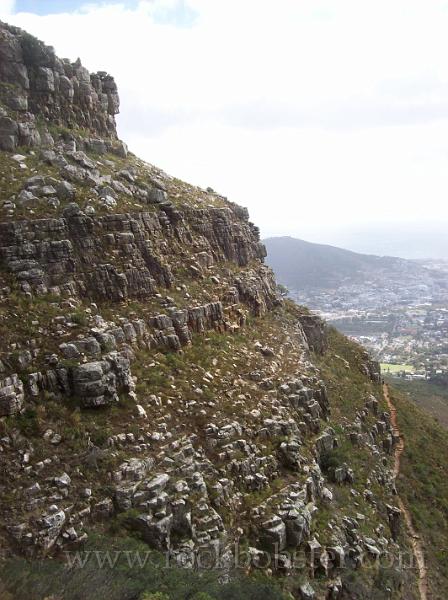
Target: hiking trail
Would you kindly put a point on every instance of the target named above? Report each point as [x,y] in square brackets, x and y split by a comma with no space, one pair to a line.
[417,547]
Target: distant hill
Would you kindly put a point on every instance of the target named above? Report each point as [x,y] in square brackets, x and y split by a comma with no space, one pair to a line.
[299,265]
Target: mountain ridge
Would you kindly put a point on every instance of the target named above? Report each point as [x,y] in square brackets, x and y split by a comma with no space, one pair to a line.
[299,264]
[155,385]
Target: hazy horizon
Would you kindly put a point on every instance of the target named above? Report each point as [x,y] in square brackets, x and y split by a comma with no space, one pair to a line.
[391,240]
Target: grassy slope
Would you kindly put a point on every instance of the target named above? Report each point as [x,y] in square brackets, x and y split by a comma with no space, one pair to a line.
[423,485]
[149,578]
[36,580]
[432,397]
[341,369]
[347,386]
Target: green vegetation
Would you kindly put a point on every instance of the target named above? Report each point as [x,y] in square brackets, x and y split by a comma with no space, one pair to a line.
[28,422]
[390,368]
[343,370]
[429,395]
[423,485]
[124,569]
[343,373]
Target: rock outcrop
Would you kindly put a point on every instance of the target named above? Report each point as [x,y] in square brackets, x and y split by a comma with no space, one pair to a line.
[150,374]
[11,395]
[36,84]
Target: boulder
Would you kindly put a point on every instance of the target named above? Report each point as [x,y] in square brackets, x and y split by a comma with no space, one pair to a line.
[104,509]
[27,199]
[98,383]
[155,532]
[62,481]
[273,534]
[394,516]
[51,524]
[343,474]
[289,454]
[11,395]
[29,135]
[306,592]
[297,520]
[9,134]
[157,484]
[326,441]
[44,80]
[65,190]
[315,332]
[336,556]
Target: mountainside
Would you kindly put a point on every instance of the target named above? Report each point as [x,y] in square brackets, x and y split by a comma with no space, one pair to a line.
[156,393]
[431,396]
[301,265]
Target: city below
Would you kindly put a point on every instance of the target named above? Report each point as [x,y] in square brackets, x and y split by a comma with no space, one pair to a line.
[403,322]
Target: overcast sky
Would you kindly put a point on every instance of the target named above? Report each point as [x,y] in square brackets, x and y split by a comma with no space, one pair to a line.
[313,113]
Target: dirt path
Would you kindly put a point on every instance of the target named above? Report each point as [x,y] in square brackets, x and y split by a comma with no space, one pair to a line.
[416,544]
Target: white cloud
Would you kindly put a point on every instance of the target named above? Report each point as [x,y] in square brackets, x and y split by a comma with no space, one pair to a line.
[310,113]
[6,8]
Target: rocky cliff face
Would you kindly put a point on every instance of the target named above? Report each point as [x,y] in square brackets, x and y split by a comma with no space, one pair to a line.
[37,87]
[150,373]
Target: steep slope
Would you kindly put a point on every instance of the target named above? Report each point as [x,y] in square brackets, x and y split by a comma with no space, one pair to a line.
[417,546]
[423,486]
[154,385]
[300,265]
[431,396]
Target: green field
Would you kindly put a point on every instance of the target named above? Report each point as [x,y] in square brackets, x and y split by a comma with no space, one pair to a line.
[388,368]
